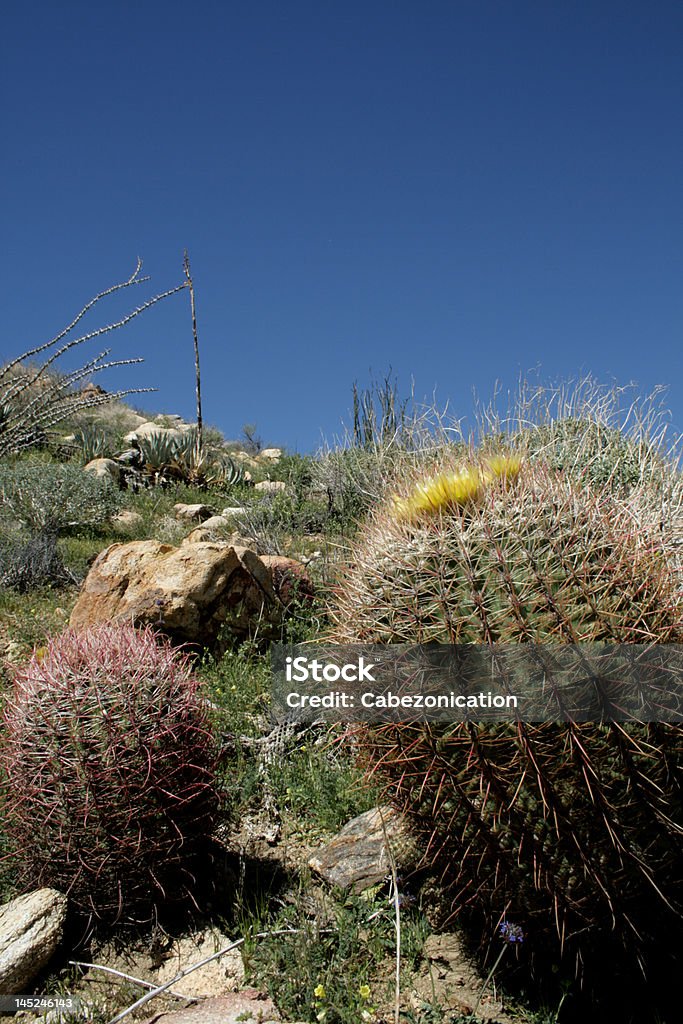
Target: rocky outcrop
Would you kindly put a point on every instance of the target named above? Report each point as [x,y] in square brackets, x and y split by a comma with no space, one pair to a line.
[30,933]
[189,592]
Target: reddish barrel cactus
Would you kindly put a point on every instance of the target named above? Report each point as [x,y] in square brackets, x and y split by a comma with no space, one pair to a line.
[109,761]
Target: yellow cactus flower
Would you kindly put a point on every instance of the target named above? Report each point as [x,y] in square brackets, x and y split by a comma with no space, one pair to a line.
[456,489]
[504,467]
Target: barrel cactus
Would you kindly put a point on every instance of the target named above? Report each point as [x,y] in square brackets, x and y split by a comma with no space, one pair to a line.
[109,761]
[570,830]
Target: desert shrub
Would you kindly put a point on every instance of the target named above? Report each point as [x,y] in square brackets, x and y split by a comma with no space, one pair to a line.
[30,562]
[48,497]
[109,760]
[570,830]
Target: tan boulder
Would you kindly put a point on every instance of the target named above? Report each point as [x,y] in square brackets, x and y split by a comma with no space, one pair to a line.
[188,592]
[271,455]
[149,427]
[104,469]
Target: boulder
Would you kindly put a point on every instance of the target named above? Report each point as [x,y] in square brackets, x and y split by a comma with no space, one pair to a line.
[104,469]
[30,932]
[189,592]
[194,513]
[358,857]
[150,427]
[271,455]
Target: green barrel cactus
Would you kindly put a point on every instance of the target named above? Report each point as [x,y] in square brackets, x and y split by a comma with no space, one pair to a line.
[572,831]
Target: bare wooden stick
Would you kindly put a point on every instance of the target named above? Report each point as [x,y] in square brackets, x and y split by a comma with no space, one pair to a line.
[397,919]
[195,337]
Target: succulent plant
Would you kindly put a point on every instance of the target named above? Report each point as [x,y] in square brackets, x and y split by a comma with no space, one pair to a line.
[572,830]
[109,762]
[168,457]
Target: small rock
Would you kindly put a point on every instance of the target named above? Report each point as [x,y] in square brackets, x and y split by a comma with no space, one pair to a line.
[271,486]
[30,932]
[194,513]
[234,511]
[358,857]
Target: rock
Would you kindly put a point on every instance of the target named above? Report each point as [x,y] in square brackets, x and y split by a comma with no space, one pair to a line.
[30,932]
[126,519]
[217,522]
[189,591]
[272,455]
[245,459]
[233,1008]
[104,469]
[226,974]
[194,513]
[289,578]
[357,857]
[271,487]
[149,427]
[234,511]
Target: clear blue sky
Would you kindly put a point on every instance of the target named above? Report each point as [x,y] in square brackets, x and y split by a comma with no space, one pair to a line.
[462,190]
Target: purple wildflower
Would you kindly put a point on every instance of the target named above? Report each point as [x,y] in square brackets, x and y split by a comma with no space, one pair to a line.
[509,932]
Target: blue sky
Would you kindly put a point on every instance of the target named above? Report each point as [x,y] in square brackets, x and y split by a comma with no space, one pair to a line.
[460,190]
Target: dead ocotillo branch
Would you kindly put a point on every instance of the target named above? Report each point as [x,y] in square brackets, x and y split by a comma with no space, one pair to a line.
[35,398]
